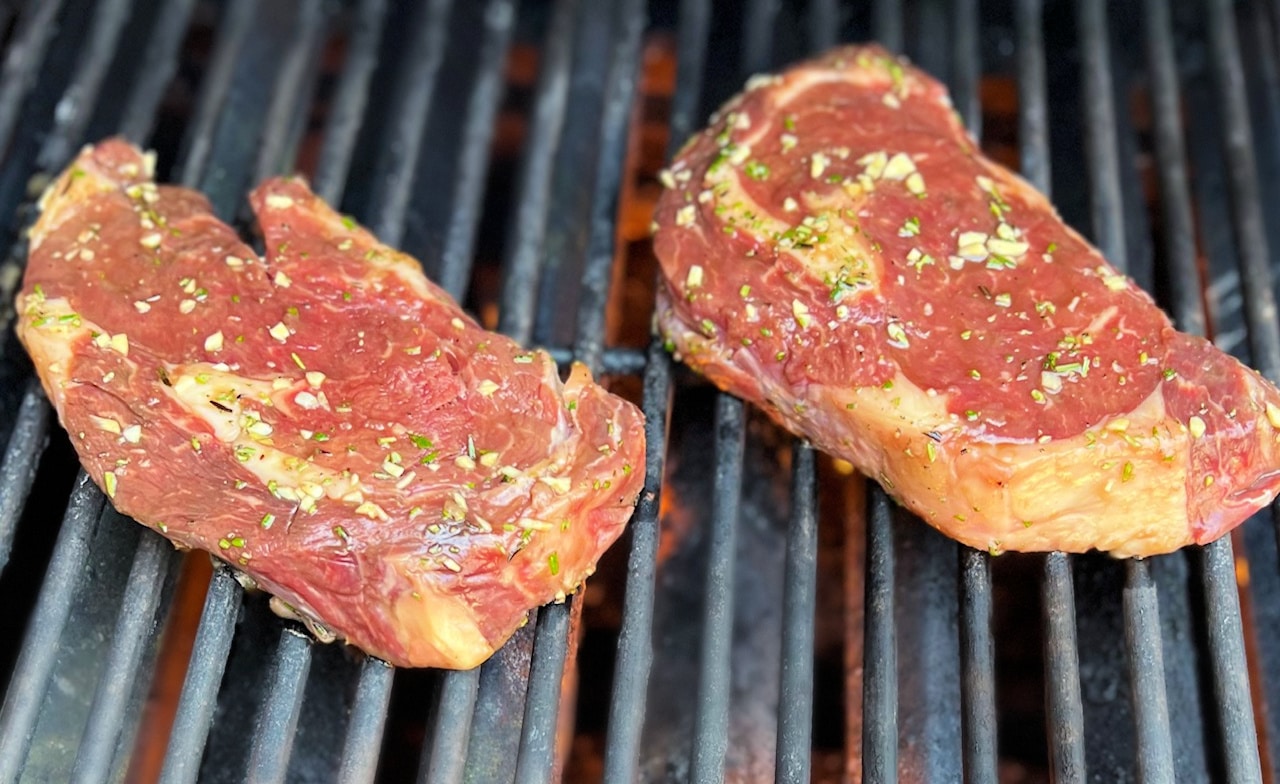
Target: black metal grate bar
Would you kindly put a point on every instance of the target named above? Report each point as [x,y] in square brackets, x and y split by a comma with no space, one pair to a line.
[477,135]
[635,640]
[1146,670]
[1102,158]
[712,702]
[78,99]
[1217,563]
[1033,108]
[824,24]
[415,91]
[277,722]
[542,701]
[350,100]
[1175,193]
[364,728]
[977,648]
[445,757]
[363,740]
[21,459]
[1062,675]
[290,97]
[159,64]
[879,646]
[31,425]
[978,667]
[795,703]
[619,360]
[1251,235]
[886,23]
[711,732]
[619,102]
[30,433]
[198,145]
[1141,600]
[967,66]
[278,715]
[190,729]
[35,665]
[759,23]
[103,728]
[1062,672]
[529,226]
[217,623]
[535,760]
[136,628]
[473,694]
[792,760]
[1230,670]
[22,62]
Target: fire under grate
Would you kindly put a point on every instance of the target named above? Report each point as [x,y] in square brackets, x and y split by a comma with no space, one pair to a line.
[768,616]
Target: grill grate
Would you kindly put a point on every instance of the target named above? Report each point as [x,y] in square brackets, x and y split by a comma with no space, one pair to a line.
[411,122]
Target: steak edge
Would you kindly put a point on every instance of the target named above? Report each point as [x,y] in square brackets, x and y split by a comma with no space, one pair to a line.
[325,418]
[837,249]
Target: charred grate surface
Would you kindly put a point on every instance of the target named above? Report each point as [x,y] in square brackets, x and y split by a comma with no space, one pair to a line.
[767,617]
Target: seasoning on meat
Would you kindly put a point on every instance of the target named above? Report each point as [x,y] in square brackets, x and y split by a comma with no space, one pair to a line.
[324,418]
[837,249]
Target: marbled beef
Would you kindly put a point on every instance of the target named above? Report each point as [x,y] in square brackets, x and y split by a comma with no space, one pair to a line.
[837,249]
[325,419]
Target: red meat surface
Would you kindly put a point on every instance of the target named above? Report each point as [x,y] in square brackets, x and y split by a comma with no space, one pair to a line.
[324,418]
[837,249]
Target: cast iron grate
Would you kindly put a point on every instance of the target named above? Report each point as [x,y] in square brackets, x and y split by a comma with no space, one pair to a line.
[1151,671]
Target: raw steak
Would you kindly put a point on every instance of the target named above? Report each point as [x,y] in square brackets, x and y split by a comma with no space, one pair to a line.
[837,249]
[325,419]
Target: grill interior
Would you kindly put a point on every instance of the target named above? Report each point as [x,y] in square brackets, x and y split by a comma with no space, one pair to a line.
[768,616]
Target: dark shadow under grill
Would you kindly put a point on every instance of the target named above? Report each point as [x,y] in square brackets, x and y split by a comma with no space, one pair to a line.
[767,616]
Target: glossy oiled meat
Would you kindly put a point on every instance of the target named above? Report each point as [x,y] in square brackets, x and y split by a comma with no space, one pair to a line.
[325,419]
[837,249]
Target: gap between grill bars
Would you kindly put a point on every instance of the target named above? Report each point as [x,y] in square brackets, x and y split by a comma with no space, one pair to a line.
[1152,669]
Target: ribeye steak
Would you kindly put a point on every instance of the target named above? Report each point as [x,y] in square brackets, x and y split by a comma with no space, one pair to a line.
[324,418]
[836,248]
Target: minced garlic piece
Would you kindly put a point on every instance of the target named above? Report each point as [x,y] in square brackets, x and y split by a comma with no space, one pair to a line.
[1196,425]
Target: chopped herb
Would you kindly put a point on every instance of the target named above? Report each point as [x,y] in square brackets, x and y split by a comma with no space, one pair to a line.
[757,170]
[553,563]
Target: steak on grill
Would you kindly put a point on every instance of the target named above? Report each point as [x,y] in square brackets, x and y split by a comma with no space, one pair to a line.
[836,248]
[324,418]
